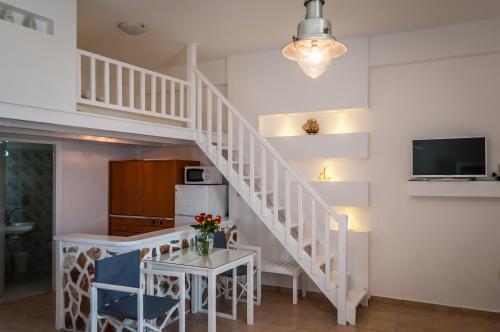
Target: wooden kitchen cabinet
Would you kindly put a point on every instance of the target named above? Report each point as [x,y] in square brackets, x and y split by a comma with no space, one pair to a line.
[142,194]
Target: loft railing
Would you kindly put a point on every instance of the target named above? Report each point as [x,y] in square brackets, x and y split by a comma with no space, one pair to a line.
[247,152]
[111,84]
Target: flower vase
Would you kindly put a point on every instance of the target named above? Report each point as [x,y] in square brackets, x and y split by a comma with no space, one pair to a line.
[205,243]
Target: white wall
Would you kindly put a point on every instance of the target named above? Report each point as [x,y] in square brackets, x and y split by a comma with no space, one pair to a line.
[85,184]
[38,69]
[435,250]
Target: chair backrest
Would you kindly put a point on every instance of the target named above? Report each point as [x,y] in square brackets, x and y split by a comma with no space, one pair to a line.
[220,240]
[121,270]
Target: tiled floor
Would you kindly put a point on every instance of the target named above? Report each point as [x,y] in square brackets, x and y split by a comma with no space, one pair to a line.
[277,314]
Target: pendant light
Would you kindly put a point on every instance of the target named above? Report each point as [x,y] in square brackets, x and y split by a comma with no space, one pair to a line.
[314,47]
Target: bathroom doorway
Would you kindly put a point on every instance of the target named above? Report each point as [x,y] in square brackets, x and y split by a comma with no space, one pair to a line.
[27,214]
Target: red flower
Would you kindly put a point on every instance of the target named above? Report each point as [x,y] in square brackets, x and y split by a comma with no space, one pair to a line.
[208,217]
[218,219]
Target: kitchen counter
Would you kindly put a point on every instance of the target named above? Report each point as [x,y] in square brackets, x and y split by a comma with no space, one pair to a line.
[75,267]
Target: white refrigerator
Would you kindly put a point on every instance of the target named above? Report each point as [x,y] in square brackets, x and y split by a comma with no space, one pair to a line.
[191,200]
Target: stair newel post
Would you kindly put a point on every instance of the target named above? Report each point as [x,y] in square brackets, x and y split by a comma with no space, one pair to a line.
[219,132]
[327,251]
[313,236]
[252,168]
[288,224]
[263,179]
[301,220]
[275,195]
[229,143]
[199,106]
[342,270]
[209,123]
[241,147]
[191,78]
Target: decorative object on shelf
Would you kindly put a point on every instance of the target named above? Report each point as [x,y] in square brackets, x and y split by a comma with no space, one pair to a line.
[30,22]
[323,176]
[311,127]
[314,47]
[6,14]
[207,226]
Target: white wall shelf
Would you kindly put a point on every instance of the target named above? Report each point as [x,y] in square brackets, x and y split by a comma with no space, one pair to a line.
[343,193]
[305,147]
[454,188]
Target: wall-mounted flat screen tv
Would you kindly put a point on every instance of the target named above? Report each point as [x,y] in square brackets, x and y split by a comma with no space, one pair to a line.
[449,157]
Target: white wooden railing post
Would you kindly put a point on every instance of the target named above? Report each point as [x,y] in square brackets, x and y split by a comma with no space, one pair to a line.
[119,85]
[199,105]
[106,82]
[275,195]
[241,150]
[300,207]
[163,98]
[172,98]
[327,251]
[342,270]
[131,88]
[229,143]
[153,93]
[263,180]
[219,131]
[143,91]
[313,236]
[191,78]
[78,76]
[252,168]
[92,80]
[288,215]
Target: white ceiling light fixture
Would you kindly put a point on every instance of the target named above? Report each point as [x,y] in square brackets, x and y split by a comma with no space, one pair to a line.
[314,47]
[132,28]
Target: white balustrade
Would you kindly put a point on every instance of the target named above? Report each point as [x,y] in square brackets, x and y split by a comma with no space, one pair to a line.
[103,87]
[268,158]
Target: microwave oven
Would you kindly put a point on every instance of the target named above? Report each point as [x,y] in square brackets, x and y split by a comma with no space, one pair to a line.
[202,175]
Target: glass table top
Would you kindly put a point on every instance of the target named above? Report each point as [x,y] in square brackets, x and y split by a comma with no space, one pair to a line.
[190,257]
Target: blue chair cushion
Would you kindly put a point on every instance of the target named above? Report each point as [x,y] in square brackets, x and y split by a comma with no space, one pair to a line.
[121,270]
[126,307]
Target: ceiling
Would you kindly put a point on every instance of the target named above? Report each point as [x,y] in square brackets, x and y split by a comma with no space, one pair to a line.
[228,27]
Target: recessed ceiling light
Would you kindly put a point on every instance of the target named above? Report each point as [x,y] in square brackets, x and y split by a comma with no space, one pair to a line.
[132,28]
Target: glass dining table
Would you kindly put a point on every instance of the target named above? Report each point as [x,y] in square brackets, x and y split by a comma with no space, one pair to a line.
[188,260]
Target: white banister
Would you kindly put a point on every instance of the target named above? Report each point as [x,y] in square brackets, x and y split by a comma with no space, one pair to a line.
[131,88]
[209,121]
[288,222]
[119,85]
[275,195]
[106,82]
[199,121]
[219,129]
[92,80]
[300,207]
[103,98]
[153,93]
[241,150]
[229,142]
[252,168]
[172,98]
[313,236]
[342,270]
[191,77]
[181,100]
[163,99]
[327,250]
[263,180]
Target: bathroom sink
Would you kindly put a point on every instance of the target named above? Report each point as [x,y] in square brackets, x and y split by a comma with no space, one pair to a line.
[18,228]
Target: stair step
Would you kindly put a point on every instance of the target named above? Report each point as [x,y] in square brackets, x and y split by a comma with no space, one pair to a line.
[247,178]
[268,192]
[334,277]
[321,260]
[354,297]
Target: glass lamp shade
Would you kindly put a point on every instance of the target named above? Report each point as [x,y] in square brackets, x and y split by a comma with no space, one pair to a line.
[314,55]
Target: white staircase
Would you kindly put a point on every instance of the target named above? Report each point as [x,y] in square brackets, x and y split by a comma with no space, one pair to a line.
[283,201]
[296,215]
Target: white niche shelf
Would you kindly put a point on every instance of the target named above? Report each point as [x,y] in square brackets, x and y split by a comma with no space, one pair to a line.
[305,147]
[454,188]
[343,193]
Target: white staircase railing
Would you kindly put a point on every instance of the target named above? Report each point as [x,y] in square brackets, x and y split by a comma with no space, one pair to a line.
[276,193]
[107,83]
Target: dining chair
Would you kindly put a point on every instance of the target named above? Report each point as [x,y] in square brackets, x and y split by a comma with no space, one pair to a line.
[117,294]
[241,271]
